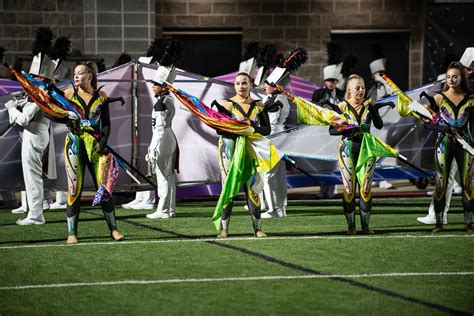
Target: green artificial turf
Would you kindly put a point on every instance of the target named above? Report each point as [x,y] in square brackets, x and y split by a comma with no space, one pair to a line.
[307,266]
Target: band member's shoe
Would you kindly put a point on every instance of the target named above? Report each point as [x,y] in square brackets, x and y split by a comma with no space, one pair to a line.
[158,214]
[71,239]
[351,231]
[144,205]
[468,228]
[367,231]
[129,204]
[31,221]
[223,233]
[116,235]
[273,214]
[57,206]
[438,228]
[260,234]
[431,220]
[19,210]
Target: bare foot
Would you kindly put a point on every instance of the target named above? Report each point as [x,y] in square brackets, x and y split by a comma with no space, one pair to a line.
[116,235]
[223,233]
[71,239]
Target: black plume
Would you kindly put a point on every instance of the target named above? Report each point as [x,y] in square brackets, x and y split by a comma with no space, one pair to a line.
[62,48]
[348,66]
[377,51]
[334,52]
[123,59]
[252,50]
[173,51]
[296,58]
[43,42]
[267,56]
[154,47]
[279,59]
[2,51]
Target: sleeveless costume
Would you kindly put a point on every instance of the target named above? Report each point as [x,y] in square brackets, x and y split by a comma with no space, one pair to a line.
[348,155]
[458,117]
[259,120]
[79,151]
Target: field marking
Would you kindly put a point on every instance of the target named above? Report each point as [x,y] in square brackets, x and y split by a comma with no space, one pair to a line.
[186,240]
[230,279]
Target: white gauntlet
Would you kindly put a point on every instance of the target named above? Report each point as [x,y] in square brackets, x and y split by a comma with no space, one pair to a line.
[11,104]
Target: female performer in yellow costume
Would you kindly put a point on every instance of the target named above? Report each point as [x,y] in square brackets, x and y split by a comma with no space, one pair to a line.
[82,149]
[362,112]
[454,106]
[243,108]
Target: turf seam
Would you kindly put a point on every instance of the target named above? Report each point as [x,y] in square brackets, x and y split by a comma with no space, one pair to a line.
[438,307]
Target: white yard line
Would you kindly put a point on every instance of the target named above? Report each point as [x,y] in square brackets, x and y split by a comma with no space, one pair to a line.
[233,279]
[184,240]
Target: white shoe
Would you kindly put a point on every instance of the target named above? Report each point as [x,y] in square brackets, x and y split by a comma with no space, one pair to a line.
[430,193]
[45,205]
[30,221]
[129,204]
[246,207]
[143,206]
[385,184]
[457,190]
[158,214]
[430,220]
[57,206]
[272,214]
[19,210]
[172,214]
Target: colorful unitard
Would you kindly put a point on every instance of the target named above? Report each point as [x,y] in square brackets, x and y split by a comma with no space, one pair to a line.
[348,155]
[81,149]
[259,120]
[453,119]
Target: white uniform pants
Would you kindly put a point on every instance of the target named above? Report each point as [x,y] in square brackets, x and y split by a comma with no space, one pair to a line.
[165,172]
[32,149]
[275,188]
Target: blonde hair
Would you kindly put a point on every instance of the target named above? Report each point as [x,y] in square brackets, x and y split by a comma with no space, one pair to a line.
[351,78]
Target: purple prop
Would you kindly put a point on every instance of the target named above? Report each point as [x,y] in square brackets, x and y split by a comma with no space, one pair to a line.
[9,86]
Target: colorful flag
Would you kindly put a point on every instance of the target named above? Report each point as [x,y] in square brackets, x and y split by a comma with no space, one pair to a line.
[371,148]
[404,101]
[253,152]
[311,114]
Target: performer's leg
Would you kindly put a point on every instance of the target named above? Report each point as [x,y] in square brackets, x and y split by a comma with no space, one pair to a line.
[443,160]
[274,188]
[365,185]
[465,161]
[430,218]
[75,161]
[253,201]
[172,186]
[96,162]
[226,150]
[347,169]
[32,149]
[163,175]
[278,188]
[450,189]
[23,207]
